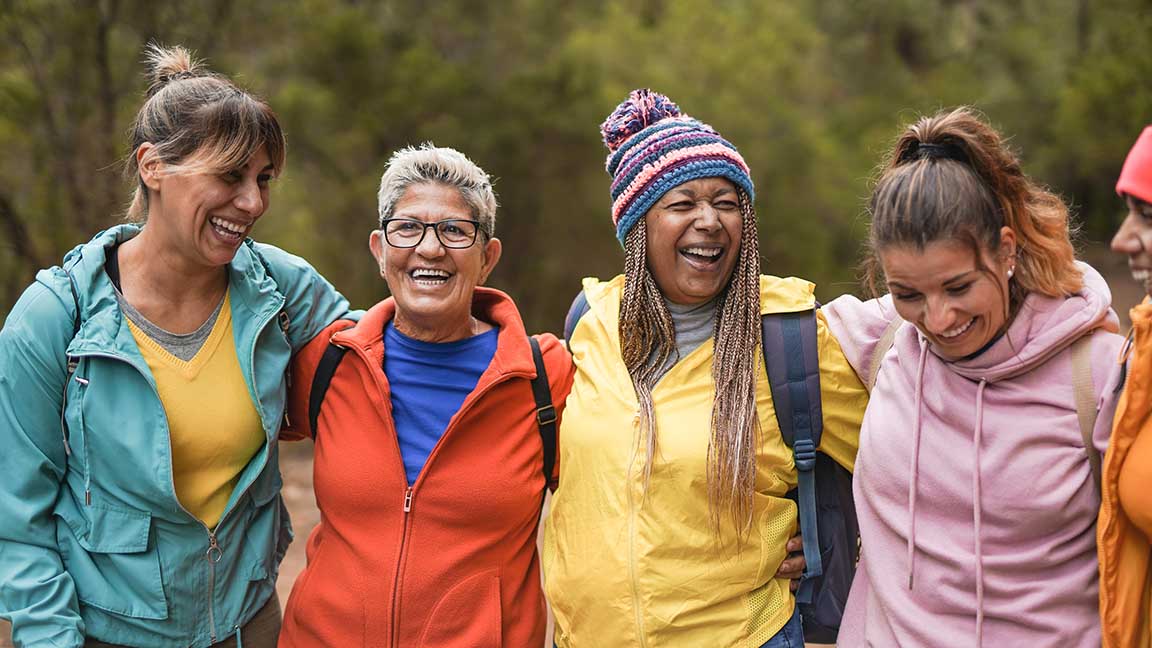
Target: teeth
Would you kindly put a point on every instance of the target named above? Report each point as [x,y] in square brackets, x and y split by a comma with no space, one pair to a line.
[425,273]
[958,330]
[704,252]
[1141,275]
[235,228]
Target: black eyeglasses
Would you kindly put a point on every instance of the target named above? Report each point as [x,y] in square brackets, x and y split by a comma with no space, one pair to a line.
[408,233]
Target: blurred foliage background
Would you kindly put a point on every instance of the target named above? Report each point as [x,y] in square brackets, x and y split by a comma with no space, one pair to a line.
[811,91]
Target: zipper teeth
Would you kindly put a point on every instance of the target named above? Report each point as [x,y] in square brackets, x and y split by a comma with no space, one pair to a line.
[632,555]
[212,545]
[399,568]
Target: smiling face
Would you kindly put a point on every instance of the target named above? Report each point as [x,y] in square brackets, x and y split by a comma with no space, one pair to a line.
[432,284]
[693,239]
[205,217]
[1134,238]
[957,303]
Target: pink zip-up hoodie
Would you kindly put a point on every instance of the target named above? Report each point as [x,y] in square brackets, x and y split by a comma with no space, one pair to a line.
[976,499]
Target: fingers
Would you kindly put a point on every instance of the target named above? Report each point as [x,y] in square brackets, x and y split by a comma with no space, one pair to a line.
[791,568]
[795,543]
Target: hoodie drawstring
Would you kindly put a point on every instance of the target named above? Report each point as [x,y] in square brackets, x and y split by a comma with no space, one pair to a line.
[916,460]
[239,639]
[978,510]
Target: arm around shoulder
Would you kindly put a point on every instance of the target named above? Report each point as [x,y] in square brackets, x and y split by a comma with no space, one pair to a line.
[310,301]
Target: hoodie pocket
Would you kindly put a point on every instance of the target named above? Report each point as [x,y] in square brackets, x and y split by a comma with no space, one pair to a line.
[467,615]
[112,559]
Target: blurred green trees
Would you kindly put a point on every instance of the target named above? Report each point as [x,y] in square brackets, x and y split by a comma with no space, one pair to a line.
[811,91]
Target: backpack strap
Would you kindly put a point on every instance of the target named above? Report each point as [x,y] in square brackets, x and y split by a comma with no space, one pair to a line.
[320,381]
[882,346]
[1085,393]
[792,361]
[545,410]
[575,312]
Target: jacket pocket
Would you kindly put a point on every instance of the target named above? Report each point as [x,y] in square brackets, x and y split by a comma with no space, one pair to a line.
[269,525]
[467,615]
[112,559]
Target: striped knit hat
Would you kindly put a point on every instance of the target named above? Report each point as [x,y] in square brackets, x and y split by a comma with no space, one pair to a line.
[653,148]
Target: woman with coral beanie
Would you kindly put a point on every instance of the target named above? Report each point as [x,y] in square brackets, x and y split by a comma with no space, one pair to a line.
[1125,524]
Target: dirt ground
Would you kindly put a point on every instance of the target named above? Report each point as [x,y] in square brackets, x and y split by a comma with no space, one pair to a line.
[297,457]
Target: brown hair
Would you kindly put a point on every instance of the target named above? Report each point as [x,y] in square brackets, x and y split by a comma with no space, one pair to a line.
[648,339]
[951,176]
[197,121]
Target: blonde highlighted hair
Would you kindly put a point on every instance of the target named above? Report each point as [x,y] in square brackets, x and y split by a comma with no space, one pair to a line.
[951,176]
[197,121]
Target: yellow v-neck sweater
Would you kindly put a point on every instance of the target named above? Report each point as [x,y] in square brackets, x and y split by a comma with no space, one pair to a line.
[213,427]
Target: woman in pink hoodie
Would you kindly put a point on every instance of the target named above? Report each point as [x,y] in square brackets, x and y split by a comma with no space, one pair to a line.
[976,482]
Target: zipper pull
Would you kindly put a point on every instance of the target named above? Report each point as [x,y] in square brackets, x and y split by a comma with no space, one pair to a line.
[214,553]
[408,499]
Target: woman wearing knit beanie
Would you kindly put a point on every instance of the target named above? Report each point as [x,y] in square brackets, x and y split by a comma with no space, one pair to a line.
[1125,523]
[671,518]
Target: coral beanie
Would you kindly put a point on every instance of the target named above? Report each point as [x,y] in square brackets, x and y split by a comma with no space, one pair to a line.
[1136,176]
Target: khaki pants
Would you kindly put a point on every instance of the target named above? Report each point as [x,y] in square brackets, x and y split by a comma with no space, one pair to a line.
[261,631]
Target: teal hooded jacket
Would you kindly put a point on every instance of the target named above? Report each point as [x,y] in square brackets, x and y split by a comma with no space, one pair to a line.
[93,541]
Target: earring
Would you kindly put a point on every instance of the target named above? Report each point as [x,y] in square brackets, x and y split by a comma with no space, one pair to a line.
[1011,271]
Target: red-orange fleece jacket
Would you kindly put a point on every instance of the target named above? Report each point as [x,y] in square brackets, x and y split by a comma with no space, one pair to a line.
[450,562]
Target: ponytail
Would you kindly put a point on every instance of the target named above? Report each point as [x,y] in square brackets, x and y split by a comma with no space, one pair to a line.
[951,176]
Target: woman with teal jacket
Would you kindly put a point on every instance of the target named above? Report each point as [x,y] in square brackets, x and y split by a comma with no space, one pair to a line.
[142,388]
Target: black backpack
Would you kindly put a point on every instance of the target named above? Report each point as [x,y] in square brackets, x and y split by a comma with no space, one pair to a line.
[824,492]
[541,392]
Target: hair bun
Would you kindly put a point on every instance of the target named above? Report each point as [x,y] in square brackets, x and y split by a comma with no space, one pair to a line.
[641,109]
[168,64]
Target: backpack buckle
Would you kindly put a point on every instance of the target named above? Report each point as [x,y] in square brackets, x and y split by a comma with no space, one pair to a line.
[804,452]
[545,415]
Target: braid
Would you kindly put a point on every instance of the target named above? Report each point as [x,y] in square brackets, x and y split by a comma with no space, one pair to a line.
[648,339]
[735,424]
[647,335]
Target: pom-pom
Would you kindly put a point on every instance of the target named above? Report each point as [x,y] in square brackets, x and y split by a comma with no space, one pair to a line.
[641,109]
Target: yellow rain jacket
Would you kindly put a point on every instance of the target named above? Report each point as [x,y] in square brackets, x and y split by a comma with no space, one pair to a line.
[629,567]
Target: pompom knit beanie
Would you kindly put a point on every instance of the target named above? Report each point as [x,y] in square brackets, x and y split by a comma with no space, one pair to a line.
[653,148]
[1136,176]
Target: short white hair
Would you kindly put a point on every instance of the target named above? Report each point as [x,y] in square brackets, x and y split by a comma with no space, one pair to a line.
[437,164]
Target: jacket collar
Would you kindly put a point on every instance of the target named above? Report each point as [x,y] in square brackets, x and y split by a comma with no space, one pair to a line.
[513,355]
[101,322]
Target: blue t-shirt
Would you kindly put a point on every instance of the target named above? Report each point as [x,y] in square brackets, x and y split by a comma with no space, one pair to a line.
[429,383]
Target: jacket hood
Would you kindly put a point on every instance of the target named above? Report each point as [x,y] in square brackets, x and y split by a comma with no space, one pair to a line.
[1043,327]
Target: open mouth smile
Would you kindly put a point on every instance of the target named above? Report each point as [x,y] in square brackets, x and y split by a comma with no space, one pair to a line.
[430,277]
[951,335]
[230,231]
[702,257]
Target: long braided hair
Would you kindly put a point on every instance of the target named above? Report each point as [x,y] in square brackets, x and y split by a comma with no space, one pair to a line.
[648,340]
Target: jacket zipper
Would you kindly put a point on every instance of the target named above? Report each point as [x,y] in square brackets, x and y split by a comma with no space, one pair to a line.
[632,579]
[400,563]
[409,491]
[213,556]
[214,549]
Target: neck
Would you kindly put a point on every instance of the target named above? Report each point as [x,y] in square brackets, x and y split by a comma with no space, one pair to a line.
[152,270]
[437,330]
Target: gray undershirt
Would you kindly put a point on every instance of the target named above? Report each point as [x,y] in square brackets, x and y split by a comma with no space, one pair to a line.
[694,325]
[182,345]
